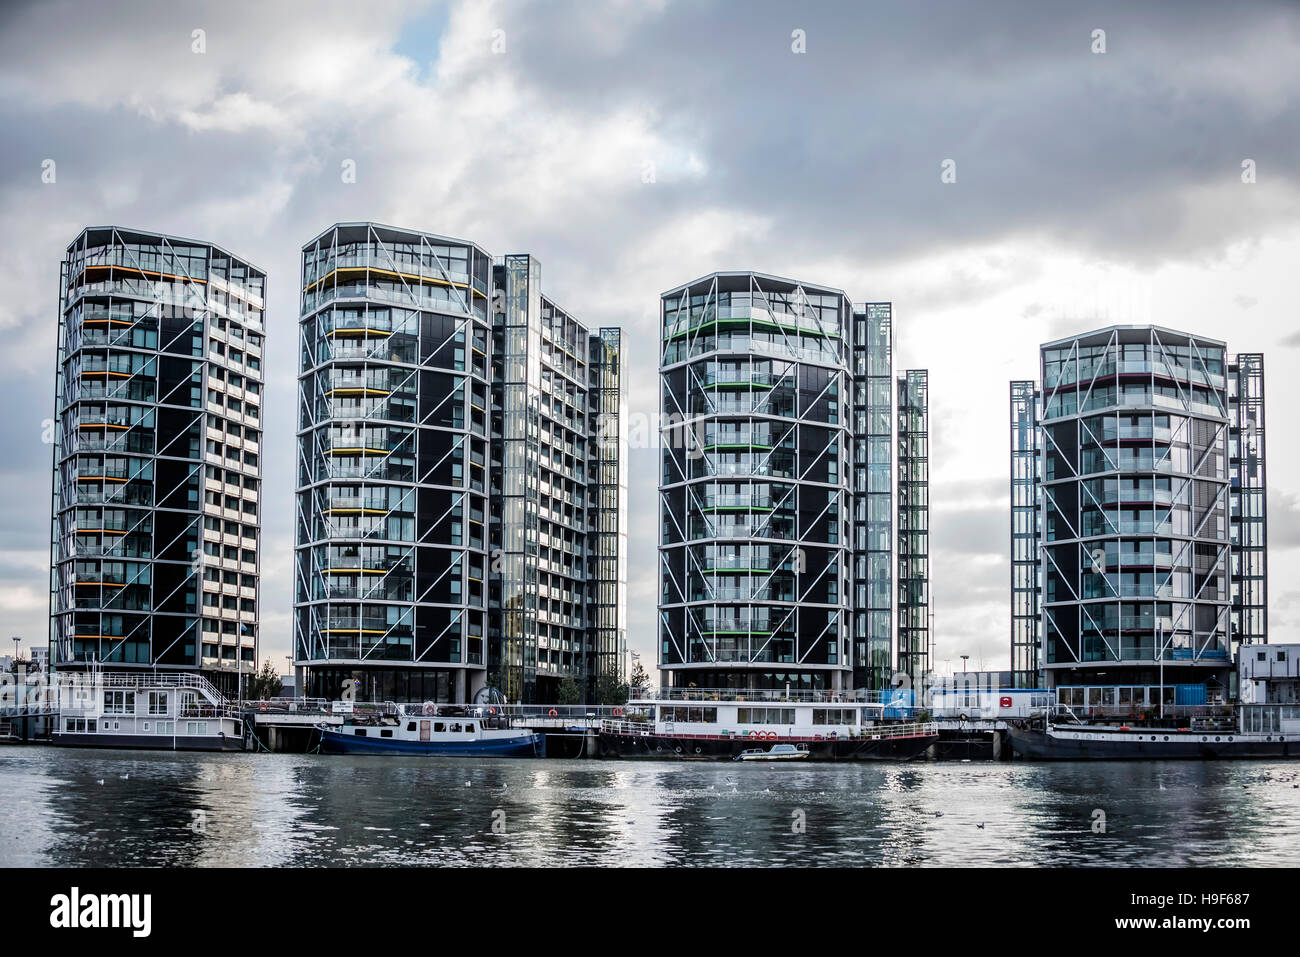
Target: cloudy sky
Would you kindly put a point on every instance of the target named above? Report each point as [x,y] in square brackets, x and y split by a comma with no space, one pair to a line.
[1091,188]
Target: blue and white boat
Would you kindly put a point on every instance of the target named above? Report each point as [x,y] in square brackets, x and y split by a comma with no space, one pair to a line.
[473,732]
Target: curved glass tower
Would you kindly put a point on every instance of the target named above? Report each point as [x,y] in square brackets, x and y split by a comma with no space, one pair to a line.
[1144,463]
[393,424]
[461,509]
[755,547]
[157,445]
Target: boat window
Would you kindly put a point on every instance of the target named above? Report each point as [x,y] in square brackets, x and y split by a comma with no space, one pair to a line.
[834,715]
[157,702]
[386,733]
[360,732]
[92,724]
[765,715]
[469,727]
[410,726]
[439,726]
[690,715]
[119,702]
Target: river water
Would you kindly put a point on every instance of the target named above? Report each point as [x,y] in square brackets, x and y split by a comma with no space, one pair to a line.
[73,808]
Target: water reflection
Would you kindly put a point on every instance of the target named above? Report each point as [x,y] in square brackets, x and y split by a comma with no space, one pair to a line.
[78,808]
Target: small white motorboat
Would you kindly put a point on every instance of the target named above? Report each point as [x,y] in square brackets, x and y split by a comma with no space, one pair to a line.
[778,752]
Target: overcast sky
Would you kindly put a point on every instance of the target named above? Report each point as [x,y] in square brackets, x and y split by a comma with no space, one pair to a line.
[1091,188]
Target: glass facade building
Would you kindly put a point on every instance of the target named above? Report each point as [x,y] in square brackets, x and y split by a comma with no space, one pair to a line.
[1026,576]
[914,526]
[776,520]
[1137,478]
[873,497]
[157,445]
[443,486]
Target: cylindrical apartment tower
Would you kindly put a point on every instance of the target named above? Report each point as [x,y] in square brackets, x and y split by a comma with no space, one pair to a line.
[1136,537]
[157,445]
[755,547]
[391,549]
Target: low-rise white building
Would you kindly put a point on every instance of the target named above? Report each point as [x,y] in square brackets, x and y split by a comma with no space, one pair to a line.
[1269,674]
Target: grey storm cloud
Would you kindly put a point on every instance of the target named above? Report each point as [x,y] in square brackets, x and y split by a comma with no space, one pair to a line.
[763,158]
[843,144]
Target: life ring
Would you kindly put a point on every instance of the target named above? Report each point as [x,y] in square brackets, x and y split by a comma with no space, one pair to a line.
[429,709]
[618,712]
[263,706]
[552,713]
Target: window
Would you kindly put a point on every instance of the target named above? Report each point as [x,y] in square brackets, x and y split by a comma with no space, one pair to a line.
[119,702]
[765,715]
[157,702]
[834,716]
[690,715]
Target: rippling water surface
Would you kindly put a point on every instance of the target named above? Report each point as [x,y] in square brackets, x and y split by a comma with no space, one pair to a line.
[77,808]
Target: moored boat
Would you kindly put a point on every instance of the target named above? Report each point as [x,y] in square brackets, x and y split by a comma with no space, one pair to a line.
[698,723]
[154,712]
[425,731]
[777,752]
[1262,731]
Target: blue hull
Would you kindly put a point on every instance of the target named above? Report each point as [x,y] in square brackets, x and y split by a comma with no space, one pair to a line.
[529,746]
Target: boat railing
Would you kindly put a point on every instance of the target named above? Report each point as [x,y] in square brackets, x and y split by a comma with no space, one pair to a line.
[144,679]
[765,695]
[202,711]
[1083,714]
[876,732]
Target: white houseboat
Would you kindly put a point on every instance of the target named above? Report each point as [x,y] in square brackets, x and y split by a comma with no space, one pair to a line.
[160,712]
[724,723]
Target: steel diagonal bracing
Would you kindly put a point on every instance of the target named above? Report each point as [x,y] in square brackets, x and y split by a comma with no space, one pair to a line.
[1111,344]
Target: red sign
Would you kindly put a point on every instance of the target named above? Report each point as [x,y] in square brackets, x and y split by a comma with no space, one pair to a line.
[1004,701]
